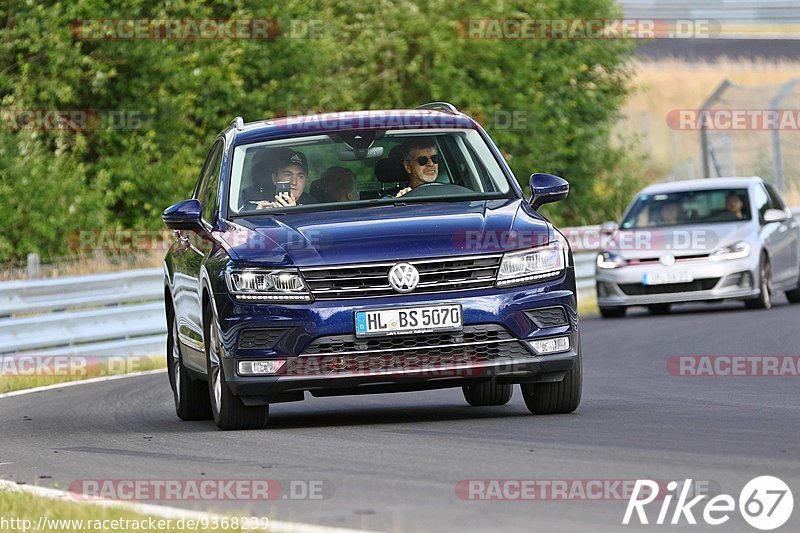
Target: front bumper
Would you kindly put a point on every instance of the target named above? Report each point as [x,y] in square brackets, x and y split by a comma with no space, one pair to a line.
[496,319]
[712,280]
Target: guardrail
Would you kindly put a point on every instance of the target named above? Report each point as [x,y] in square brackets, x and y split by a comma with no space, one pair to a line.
[122,313]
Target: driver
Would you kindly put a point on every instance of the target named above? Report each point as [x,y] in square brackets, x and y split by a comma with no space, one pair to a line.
[421,163]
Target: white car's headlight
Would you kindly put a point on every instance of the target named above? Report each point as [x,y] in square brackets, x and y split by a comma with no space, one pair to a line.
[530,266]
[739,250]
[609,260]
[267,285]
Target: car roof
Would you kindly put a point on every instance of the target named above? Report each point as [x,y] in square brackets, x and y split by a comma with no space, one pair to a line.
[323,123]
[700,185]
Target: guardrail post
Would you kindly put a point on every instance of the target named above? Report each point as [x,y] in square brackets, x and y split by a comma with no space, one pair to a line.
[34,263]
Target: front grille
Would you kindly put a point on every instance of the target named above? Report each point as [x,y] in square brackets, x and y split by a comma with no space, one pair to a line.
[335,344]
[421,359]
[372,279]
[259,339]
[637,289]
[548,317]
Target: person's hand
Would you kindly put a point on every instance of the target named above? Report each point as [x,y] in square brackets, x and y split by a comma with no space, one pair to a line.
[402,192]
[281,200]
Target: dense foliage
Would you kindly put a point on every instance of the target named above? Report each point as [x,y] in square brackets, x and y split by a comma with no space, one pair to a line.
[156,104]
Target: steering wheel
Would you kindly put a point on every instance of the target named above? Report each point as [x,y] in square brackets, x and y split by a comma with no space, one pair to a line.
[436,188]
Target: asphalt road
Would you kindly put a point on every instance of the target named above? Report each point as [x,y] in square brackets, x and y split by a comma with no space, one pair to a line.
[713,49]
[391,462]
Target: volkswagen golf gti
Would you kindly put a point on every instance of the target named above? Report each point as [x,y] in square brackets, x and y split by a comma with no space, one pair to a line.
[366,252]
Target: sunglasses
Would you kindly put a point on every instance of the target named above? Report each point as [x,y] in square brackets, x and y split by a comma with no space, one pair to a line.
[423,160]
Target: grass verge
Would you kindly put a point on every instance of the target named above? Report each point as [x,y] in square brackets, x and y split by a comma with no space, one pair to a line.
[22,512]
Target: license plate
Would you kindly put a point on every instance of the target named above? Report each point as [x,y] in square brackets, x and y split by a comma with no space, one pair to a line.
[662,278]
[408,320]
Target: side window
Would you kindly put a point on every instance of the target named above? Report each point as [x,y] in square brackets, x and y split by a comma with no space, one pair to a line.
[775,198]
[761,201]
[209,182]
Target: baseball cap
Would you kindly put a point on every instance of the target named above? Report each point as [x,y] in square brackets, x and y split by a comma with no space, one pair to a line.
[286,156]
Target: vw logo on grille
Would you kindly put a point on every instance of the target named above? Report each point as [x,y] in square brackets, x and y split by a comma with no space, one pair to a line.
[667,259]
[403,277]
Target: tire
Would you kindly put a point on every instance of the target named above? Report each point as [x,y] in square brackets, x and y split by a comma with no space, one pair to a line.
[488,393]
[612,312]
[764,299]
[659,309]
[794,295]
[190,395]
[228,410]
[555,398]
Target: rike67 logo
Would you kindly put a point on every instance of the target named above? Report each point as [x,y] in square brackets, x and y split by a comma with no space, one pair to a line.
[765,503]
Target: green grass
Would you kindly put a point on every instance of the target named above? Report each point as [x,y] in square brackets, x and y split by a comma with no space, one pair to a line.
[89,367]
[587,304]
[24,506]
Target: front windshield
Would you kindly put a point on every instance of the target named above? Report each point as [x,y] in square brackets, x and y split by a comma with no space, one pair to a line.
[688,207]
[349,169]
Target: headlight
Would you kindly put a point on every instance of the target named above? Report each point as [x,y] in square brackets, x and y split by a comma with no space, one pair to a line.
[528,266]
[267,285]
[609,260]
[737,251]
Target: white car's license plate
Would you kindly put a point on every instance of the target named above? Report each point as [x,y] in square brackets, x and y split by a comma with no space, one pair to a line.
[408,320]
[662,278]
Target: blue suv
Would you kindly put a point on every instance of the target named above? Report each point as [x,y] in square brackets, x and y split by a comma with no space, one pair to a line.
[366,252]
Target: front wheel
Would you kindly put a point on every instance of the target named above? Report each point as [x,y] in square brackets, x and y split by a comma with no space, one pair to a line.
[764,299]
[488,393]
[228,410]
[555,398]
[191,398]
[659,309]
[612,312]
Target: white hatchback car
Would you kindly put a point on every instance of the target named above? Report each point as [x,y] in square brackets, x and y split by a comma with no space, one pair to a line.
[700,240]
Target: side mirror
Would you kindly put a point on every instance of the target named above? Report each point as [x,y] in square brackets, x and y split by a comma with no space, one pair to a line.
[546,188]
[183,215]
[776,215]
[608,228]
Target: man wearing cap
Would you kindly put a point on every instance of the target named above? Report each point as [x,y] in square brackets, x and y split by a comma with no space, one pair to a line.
[292,167]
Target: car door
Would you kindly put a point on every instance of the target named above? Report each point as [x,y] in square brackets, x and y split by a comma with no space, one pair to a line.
[787,239]
[191,249]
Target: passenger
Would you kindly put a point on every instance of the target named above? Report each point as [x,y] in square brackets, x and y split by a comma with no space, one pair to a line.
[734,205]
[290,166]
[421,163]
[339,185]
[670,213]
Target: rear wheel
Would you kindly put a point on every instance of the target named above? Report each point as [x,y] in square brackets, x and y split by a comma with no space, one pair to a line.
[228,410]
[794,295]
[764,299]
[191,396]
[659,309]
[612,312]
[555,398]
[488,393]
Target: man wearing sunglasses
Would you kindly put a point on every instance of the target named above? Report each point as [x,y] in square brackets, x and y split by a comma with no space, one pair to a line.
[421,163]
